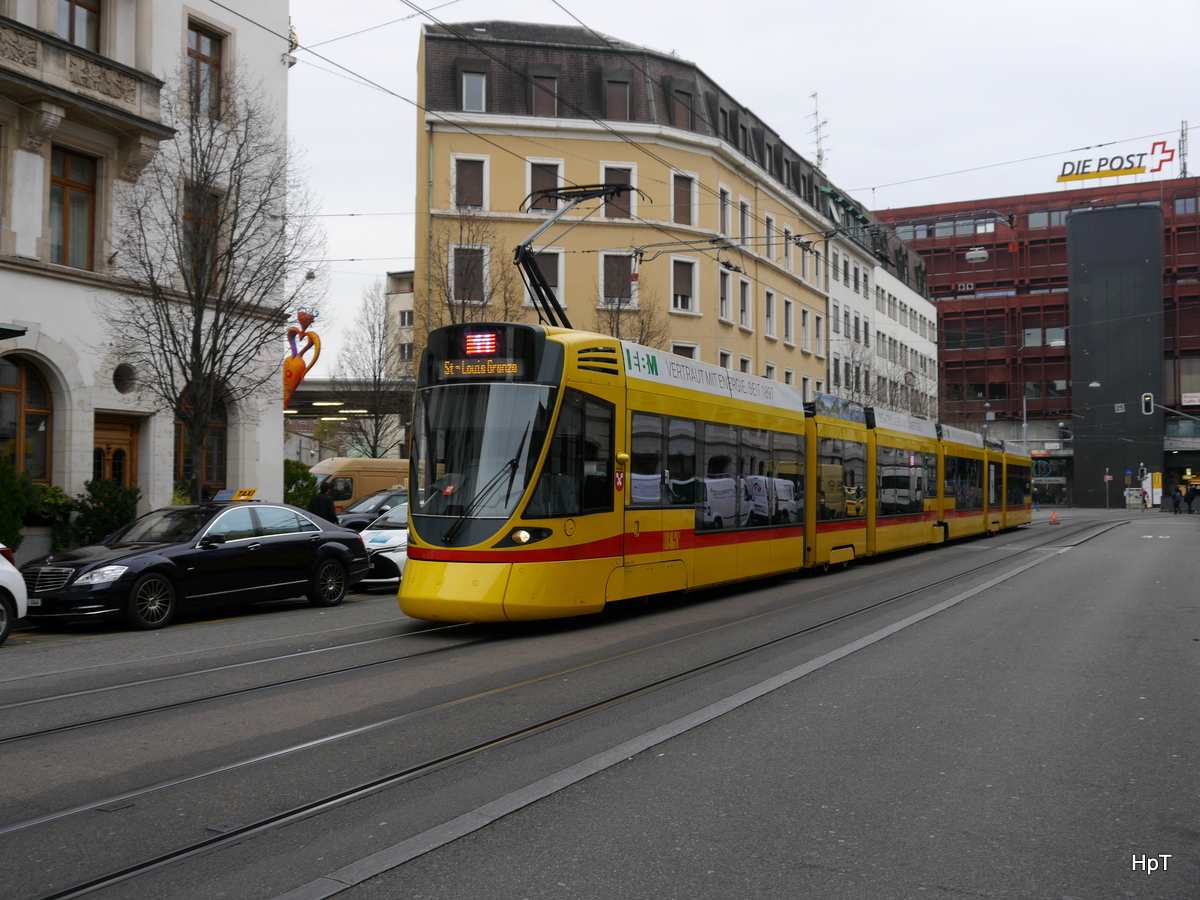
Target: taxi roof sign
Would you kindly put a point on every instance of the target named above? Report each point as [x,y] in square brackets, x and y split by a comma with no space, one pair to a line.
[235,496]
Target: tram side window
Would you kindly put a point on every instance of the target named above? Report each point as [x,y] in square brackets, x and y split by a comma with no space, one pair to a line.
[716,490]
[753,483]
[902,478]
[1018,485]
[964,482]
[681,462]
[577,476]
[787,477]
[646,461]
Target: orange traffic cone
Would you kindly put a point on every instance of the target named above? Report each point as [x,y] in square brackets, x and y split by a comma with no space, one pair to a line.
[1054,517]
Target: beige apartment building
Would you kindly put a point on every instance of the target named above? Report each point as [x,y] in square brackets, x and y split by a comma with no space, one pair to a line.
[718,251]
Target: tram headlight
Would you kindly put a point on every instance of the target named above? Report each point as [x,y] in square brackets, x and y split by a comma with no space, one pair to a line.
[519,537]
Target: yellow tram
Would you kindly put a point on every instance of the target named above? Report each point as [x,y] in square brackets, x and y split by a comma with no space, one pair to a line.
[554,471]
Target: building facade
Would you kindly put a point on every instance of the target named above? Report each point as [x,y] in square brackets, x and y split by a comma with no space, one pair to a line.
[1052,330]
[721,248]
[80,90]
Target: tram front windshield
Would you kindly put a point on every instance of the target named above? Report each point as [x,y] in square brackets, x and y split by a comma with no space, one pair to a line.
[476,446]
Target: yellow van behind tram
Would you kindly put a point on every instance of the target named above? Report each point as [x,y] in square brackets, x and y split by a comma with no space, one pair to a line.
[352,477]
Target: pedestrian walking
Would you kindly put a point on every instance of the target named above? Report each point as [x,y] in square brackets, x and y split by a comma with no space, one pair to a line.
[1145,501]
[1176,499]
[1037,502]
[1189,498]
[322,504]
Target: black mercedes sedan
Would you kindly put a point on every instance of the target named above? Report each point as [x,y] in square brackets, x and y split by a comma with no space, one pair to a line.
[190,556]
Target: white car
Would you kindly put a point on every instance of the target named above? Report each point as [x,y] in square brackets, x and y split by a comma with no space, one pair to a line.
[13,599]
[386,540]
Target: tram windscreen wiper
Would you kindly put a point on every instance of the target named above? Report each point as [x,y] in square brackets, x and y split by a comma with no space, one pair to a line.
[509,467]
[486,490]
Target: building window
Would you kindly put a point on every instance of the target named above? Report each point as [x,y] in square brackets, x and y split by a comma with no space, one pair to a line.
[745,365]
[769,372]
[789,377]
[744,221]
[618,283]
[549,263]
[616,100]
[787,249]
[682,206]
[835,371]
[804,340]
[545,95]
[770,230]
[789,321]
[618,205]
[724,358]
[834,262]
[723,211]
[468,183]
[204,71]
[681,109]
[723,312]
[467,273]
[769,313]
[79,23]
[818,335]
[804,388]
[835,319]
[543,177]
[72,208]
[201,236]
[688,351]
[683,274]
[745,310]
[406,318]
[212,479]
[25,419]
[405,352]
[474,92]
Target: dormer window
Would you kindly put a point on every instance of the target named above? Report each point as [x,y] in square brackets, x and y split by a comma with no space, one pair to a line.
[474,92]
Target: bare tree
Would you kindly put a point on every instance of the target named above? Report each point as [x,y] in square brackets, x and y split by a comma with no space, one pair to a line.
[215,243]
[883,382]
[366,375]
[471,275]
[642,324]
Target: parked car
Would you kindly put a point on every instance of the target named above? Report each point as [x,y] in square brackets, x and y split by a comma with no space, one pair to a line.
[189,556]
[386,540]
[361,513]
[12,593]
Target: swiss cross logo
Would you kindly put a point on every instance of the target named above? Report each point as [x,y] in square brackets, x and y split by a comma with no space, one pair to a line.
[1160,152]
[619,480]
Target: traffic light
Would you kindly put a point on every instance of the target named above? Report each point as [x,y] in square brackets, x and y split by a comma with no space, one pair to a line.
[1147,404]
[1141,474]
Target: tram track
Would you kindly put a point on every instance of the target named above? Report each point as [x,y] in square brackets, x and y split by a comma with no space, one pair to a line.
[287,682]
[408,773]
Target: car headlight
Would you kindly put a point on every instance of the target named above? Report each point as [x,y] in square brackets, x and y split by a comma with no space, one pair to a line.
[103,575]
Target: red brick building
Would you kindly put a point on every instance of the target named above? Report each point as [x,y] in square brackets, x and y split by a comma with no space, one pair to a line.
[1002,280]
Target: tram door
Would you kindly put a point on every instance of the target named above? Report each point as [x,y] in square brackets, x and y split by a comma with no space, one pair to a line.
[659,510]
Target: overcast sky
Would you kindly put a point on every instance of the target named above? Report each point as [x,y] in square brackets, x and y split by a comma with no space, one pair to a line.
[1003,93]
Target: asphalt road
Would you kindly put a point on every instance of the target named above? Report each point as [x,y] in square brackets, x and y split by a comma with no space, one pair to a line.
[1027,731]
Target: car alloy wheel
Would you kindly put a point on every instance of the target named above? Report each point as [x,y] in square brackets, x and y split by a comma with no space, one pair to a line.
[151,602]
[328,585]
